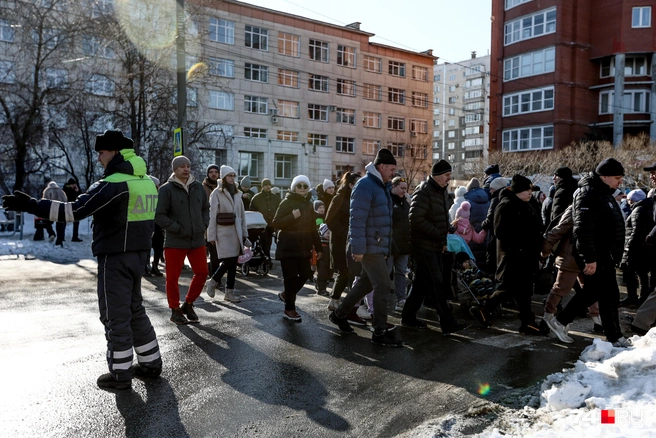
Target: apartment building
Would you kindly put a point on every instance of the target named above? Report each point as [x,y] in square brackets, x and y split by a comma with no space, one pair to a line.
[461,113]
[557,65]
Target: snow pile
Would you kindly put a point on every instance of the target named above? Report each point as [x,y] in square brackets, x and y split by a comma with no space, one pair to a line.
[610,392]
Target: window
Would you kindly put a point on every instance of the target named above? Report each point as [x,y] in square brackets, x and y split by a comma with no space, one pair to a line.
[346,116]
[345,144]
[641,17]
[452,111]
[396,123]
[287,108]
[319,51]
[469,118]
[531,26]
[419,73]
[49,38]
[473,94]
[371,120]
[473,154]
[257,38]
[318,139]
[318,83]
[528,102]
[531,138]
[437,78]
[101,7]
[248,164]
[99,122]
[346,87]
[372,64]
[396,149]
[420,99]
[222,67]
[473,142]
[452,77]
[474,70]
[419,151]
[255,72]
[370,147]
[396,95]
[436,133]
[451,134]
[93,46]
[633,66]
[513,3]
[289,45]
[436,122]
[452,123]
[419,126]
[192,97]
[341,169]
[452,88]
[474,106]
[100,85]
[318,112]
[222,31]
[288,78]
[452,99]
[284,166]
[529,64]
[222,100]
[396,68]
[372,92]
[7,72]
[254,104]
[255,132]
[287,136]
[56,78]
[346,56]
[6,31]
[473,130]
[634,101]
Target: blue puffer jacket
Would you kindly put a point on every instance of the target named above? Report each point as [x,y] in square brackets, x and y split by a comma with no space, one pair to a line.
[370,223]
[480,204]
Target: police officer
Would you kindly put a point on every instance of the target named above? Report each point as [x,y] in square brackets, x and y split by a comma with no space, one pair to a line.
[123,206]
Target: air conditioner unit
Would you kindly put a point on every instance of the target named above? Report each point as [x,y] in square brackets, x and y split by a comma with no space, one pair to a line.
[413,134]
[274,119]
[273,111]
[332,108]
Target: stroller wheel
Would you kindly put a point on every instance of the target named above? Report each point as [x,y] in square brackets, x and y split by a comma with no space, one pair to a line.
[245,269]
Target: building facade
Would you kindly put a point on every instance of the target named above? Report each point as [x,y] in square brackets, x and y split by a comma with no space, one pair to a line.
[554,75]
[461,113]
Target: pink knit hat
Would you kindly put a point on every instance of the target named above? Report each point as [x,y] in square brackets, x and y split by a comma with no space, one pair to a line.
[463,210]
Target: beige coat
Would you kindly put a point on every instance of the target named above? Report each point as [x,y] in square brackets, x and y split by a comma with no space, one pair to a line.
[229,239]
[54,193]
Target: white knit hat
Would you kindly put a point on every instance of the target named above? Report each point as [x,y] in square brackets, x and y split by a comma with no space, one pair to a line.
[300,179]
[225,170]
[328,184]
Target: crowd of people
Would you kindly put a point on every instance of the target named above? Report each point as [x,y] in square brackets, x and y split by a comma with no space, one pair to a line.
[364,234]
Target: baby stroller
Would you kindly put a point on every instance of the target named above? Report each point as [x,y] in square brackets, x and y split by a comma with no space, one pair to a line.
[471,287]
[255,224]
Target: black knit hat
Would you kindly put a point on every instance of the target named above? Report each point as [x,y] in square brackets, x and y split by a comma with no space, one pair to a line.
[610,167]
[210,167]
[384,156]
[113,140]
[520,184]
[440,167]
[563,172]
[462,257]
[493,168]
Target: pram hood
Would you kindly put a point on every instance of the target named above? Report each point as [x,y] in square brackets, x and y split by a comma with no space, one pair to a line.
[255,220]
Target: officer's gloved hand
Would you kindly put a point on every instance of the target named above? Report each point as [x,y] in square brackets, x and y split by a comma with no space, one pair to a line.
[19,201]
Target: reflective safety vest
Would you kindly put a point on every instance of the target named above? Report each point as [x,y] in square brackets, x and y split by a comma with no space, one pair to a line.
[143,196]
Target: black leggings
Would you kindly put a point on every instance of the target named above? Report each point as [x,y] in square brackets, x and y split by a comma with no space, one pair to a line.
[228,265]
[295,273]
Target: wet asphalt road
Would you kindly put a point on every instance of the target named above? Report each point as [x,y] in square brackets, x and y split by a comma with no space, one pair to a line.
[244,371]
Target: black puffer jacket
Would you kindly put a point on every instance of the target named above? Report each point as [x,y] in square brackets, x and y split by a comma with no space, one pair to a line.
[400,225]
[562,198]
[429,216]
[638,225]
[337,219]
[297,236]
[598,223]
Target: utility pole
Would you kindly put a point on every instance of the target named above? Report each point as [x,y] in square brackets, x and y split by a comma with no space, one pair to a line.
[181,68]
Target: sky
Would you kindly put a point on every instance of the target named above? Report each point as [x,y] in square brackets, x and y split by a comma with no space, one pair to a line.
[453,29]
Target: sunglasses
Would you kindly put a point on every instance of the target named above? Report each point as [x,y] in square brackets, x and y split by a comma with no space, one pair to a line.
[302,186]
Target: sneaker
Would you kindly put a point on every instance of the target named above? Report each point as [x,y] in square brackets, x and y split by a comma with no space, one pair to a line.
[342,323]
[188,310]
[178,317]
[210,287]
[333,304]
[281,297]
[363,313]
[76,239]
[399,306]
[548,316]
[416,324]
[324,293]
[354,319]
[291,315]
[230,296]
[529,329]
[458,326]
[155,272]
[51,239]
[386,338]
[147,372]
[560,331]
[637,330]
[622,343]
[106,381]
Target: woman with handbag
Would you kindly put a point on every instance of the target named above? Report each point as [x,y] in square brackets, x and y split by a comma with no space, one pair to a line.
[297,235]
[227,231]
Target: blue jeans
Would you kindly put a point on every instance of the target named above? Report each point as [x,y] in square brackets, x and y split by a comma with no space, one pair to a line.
[400,266]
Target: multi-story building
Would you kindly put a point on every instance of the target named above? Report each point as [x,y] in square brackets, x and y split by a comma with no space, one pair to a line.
[554,74]
[460,113]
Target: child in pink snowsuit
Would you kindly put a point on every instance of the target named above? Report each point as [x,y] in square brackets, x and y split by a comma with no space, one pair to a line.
[464,228]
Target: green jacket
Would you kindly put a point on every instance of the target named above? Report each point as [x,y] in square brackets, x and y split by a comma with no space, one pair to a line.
[183,216]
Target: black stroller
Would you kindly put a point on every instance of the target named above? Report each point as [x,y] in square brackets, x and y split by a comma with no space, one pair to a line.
[470,287]
[255,224]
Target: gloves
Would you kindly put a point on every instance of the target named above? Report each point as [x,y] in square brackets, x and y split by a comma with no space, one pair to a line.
[19,201]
